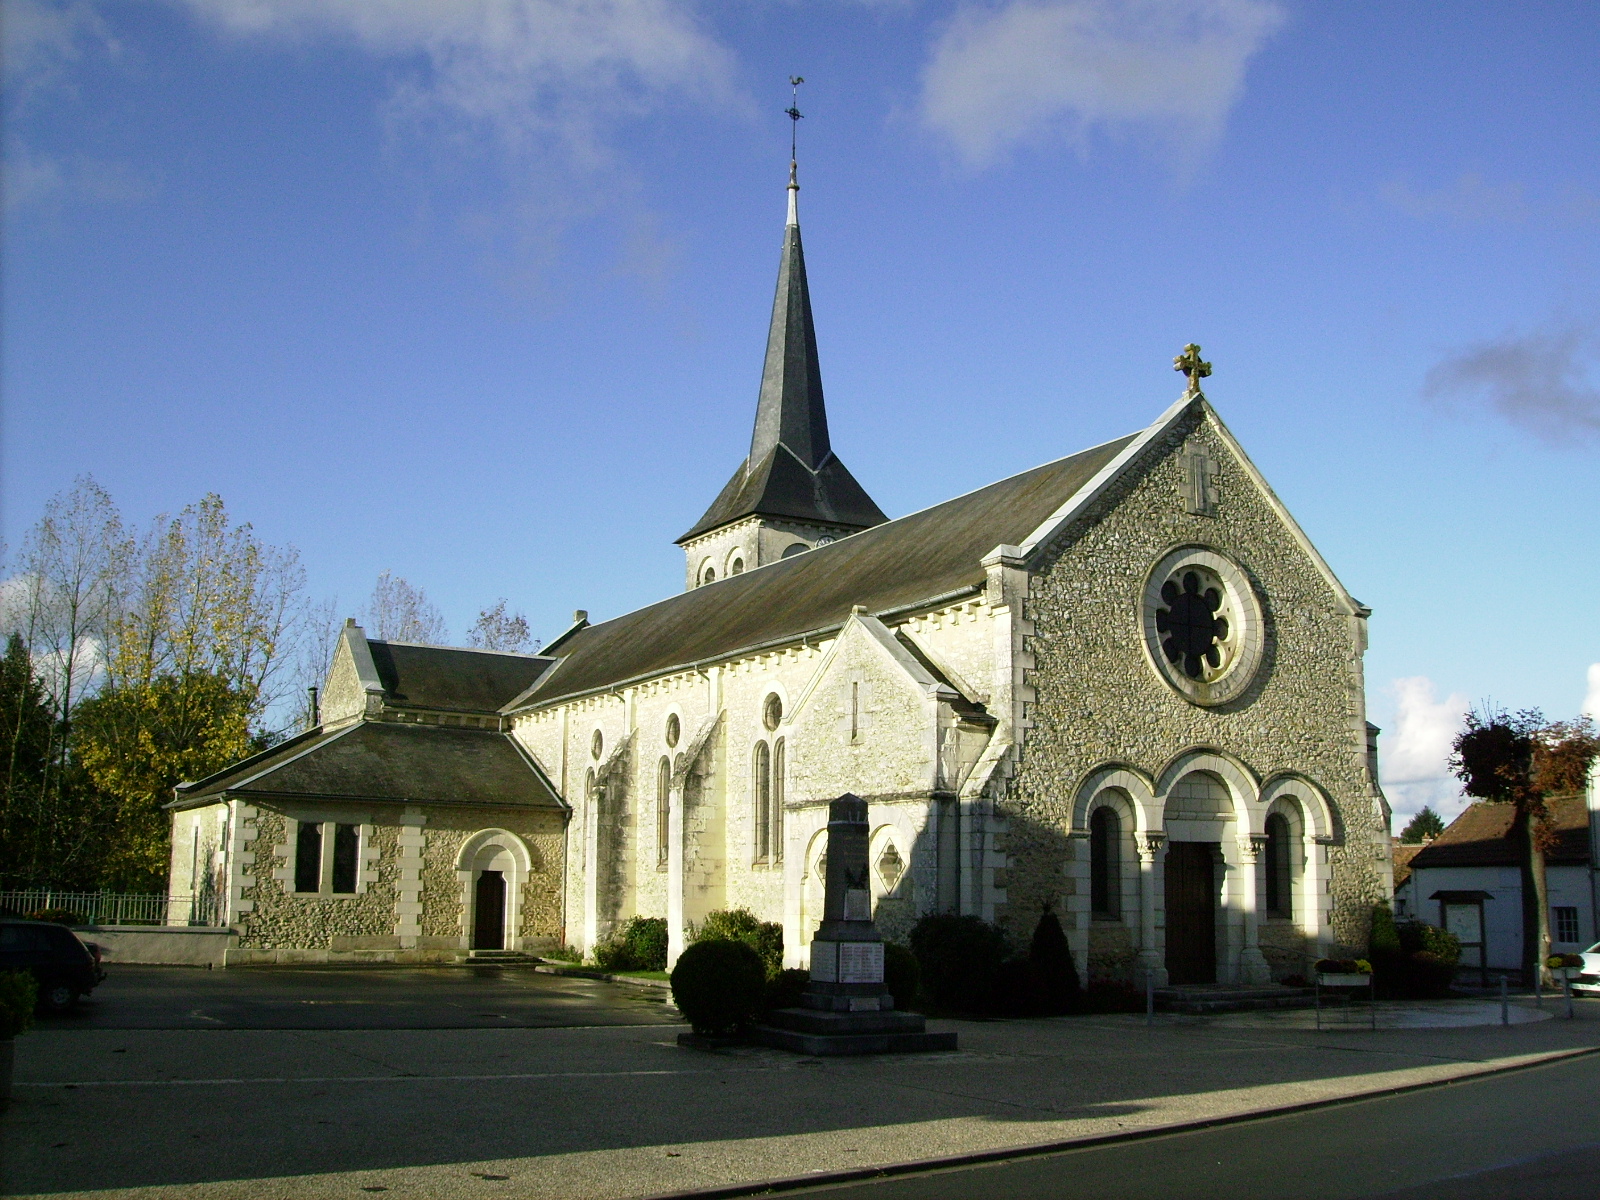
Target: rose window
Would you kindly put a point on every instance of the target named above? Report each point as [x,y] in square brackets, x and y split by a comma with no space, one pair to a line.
[1189,624]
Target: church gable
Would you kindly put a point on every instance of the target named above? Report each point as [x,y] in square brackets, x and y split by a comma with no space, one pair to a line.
[867,720]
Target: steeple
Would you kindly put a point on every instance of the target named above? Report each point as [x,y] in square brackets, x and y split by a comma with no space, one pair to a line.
[791,482]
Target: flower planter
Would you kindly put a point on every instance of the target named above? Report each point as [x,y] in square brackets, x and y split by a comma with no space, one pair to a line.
[1560,973]
[1344,980]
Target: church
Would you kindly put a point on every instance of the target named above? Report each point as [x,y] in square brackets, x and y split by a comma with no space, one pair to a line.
[1122,686]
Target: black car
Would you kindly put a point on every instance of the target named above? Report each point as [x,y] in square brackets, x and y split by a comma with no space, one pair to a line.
[65,967]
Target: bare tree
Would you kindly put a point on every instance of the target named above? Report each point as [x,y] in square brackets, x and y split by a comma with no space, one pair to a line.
[495,629]
[399,612]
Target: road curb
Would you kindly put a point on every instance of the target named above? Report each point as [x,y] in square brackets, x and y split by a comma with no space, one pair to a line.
[1040,1149]
[582,973]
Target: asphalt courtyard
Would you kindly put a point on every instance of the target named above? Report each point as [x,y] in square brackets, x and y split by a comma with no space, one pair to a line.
[479,1082]
[360,997]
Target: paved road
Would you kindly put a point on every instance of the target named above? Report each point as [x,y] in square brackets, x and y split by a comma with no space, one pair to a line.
[1514,1136]
[384,997]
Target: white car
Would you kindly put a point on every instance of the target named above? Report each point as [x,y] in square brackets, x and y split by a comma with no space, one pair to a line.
[1589,980]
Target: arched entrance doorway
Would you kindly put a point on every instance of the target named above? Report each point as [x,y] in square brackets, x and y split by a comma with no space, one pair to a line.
[489,912]
[1198,815]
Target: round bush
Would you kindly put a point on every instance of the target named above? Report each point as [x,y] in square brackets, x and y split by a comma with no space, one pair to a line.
[901,975]
[718,986]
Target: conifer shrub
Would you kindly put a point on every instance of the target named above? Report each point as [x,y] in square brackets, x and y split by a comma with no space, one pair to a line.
[1052,977]
[719,986]
[902,978]
[741,925]
[19,994]
[961,959]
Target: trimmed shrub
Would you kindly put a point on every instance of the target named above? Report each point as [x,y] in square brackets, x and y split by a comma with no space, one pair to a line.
[960,958]
[641,945]
[19,993]
[902,978]
[1052,984]
[785,988]
[1385,937]
[718,986]
[1421,967]
[741,925]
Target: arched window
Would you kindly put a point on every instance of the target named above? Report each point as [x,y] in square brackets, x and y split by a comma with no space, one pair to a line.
[777,800]
[1105,866]
[663,810]
[736,567]
[1280,885]
[762,769]
[710,576]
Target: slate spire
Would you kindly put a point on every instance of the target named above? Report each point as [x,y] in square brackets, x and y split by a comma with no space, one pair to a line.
[791,471]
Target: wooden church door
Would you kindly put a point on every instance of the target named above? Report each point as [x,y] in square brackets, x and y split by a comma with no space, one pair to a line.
[489,925]
[1191,913]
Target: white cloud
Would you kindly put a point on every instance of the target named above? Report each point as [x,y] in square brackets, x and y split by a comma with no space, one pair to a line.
[1543,382]
[1591,698]
[533,90]
[1030,69]
[1415,755]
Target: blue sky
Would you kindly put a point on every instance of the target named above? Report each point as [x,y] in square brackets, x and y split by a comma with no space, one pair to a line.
[477,292]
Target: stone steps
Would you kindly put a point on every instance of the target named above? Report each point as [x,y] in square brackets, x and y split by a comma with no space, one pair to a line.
[497,957]
[1202,999]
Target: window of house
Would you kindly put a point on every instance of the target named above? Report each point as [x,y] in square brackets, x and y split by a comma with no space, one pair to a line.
[736,567]
[777,800]
[710,576]
[308,857]
[1280,888]
[597,743]
[674,730]
[664,810]
[1105,867]
[1564,924]
[346,844]
[762,769]
[772,711]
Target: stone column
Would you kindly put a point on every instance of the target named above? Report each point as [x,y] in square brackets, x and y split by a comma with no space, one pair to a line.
[1253,967]
[591,865]
[1152,958]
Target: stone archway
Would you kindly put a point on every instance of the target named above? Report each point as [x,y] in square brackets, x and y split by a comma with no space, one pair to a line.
[1200,822]
[492,867]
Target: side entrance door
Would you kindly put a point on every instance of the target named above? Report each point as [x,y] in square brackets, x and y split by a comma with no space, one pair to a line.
[489,925]
[1191,913]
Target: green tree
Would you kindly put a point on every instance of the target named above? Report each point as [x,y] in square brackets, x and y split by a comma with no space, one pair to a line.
[1521,759]
[1425,826]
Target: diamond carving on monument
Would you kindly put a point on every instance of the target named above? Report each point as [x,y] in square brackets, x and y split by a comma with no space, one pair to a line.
[846,1009]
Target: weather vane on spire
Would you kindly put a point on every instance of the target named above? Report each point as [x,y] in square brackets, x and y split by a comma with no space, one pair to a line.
[793,112]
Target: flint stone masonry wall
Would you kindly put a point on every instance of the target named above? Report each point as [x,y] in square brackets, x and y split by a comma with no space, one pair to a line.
[343,698]
[283,920]
[1098,701]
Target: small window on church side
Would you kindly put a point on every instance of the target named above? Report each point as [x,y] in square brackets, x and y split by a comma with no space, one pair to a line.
[1280,888]
[777,800]
[597,743]
[710,575]
[762,770]
[308,857]
[673,730]
[1105,866]
[346,847]
[736,567]
[664,810]
[772,711]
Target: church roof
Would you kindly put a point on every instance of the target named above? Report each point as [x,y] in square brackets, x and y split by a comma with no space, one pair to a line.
[386,762]
[453,679]
[791,470]
[899,564]
[1481,837]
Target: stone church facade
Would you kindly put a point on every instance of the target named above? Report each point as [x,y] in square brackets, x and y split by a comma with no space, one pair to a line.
[1122,686]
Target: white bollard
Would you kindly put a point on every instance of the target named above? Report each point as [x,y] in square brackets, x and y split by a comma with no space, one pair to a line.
[1505,1009]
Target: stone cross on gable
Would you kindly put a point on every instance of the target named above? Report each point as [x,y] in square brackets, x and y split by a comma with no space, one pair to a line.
[1189,362]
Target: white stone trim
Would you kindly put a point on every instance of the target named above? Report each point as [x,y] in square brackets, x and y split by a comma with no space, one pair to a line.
[522,863]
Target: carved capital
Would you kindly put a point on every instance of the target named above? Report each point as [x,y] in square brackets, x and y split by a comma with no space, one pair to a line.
[1149,844]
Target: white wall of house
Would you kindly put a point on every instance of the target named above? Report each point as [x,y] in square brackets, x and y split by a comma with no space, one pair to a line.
[1502,912]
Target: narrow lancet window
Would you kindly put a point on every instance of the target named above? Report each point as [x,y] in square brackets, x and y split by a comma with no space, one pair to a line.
[763,797]
[308,857]
[1280,887]
[346,847]
[1105,867]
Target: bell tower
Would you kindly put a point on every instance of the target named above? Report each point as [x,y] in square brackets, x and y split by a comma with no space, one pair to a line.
[791,494]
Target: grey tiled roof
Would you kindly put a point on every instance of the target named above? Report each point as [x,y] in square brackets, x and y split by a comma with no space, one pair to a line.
[386,761]
[452,679]
[903,562]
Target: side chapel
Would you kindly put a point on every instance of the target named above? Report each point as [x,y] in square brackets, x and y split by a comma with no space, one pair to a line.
[1122,685]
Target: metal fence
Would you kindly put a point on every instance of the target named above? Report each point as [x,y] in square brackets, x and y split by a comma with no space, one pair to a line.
[112,908]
